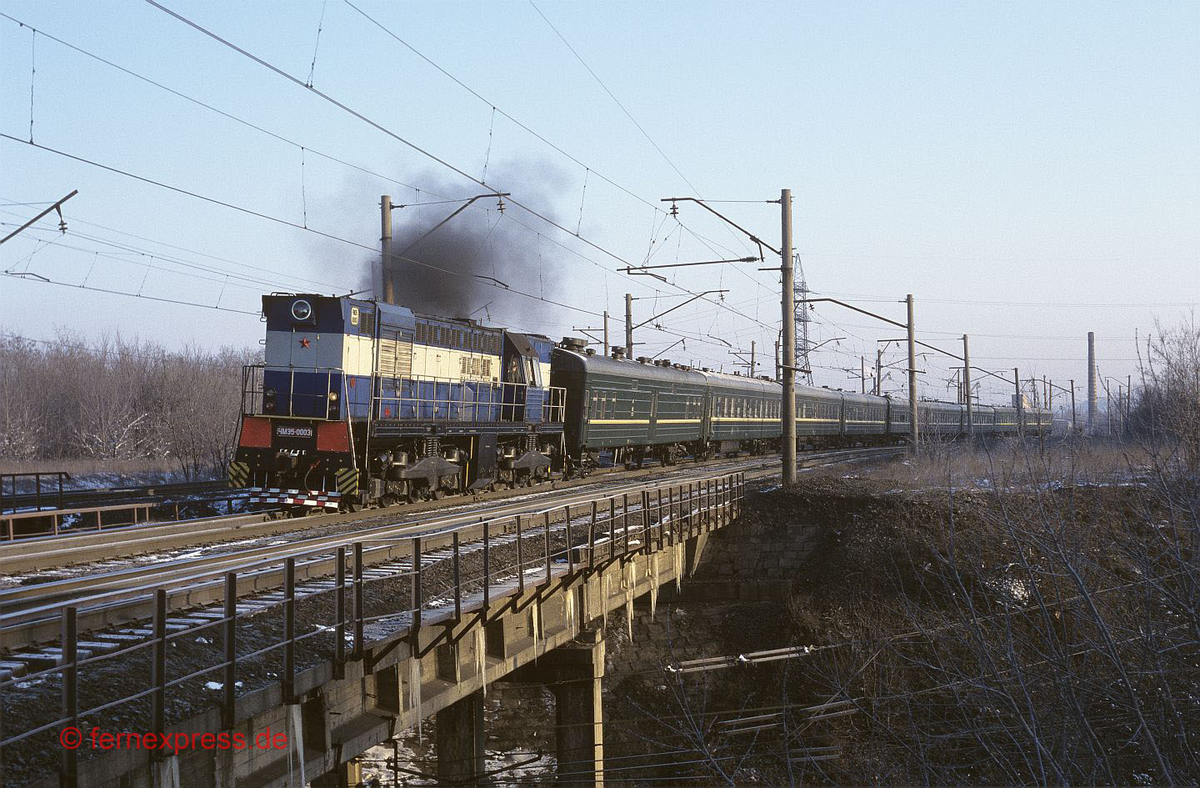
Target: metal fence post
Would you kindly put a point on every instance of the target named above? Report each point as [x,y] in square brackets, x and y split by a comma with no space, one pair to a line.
[671,515]
[228,708]
[70,694]
[487,566]
[570,541]
[646,522]
[592,538]
[706,495]
[415,586]
[546,534]
[158,673]
[520,560]
[659,515]
[695,521]
[339,630]
[359,644]
[288,677]
[457,577]
[612,528]
[625,519]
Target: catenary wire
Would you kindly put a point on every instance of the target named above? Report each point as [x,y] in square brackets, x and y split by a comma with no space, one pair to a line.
[408,143]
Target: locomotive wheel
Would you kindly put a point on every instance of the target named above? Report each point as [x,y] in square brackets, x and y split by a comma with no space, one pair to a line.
[389,499]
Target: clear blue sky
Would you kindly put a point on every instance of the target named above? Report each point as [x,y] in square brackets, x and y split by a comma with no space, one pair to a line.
[1029,171]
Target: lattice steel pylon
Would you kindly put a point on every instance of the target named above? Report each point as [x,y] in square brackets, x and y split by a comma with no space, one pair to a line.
[803,318]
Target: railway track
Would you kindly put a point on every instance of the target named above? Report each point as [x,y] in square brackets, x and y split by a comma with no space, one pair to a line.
[52,551]
[122,596]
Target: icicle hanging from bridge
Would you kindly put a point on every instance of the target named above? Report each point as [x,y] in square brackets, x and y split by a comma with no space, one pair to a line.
[606,589]
[630,580]
[677,564]
[295,739]
[535,610]
[481,656]
[414,690]
[570,603]
[652,572]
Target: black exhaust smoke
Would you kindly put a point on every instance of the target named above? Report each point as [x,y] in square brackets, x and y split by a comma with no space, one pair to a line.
[469,266]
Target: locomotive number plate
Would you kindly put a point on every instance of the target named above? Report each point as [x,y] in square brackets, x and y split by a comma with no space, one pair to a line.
[294,436]
[285,431]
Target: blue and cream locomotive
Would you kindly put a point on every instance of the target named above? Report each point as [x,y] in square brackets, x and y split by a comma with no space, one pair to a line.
[363,402]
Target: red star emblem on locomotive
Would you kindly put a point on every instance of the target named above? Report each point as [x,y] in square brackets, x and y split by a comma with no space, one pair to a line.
[304,342]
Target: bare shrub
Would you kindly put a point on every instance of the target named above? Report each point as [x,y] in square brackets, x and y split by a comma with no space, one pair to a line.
[1168,406]
[118,401]
[1049,636]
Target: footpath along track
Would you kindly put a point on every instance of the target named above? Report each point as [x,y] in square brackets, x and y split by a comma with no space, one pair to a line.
[31,613]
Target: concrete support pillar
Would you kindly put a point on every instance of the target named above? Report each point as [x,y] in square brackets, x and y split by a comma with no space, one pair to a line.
[460,740]
[576,672]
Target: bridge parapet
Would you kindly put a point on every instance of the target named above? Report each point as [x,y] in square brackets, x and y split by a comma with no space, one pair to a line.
[339,651]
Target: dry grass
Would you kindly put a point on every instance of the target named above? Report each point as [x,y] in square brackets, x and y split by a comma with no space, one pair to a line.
[1004,464]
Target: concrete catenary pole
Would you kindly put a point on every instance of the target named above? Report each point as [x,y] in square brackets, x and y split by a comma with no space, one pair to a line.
[1128,400]
[628,325]
[385,245]
[607,349]
[1018,400]
[967,386]
[914,426]
[878,372]
[787,363]
[1074,426]
[862,373]
[1093,394]
[752,358]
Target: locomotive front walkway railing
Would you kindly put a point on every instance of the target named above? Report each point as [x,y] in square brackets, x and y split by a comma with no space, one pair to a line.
[327,607]
[405,397]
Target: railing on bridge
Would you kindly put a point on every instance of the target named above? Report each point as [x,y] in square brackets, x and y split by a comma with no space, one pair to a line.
[47,490]
[442,574]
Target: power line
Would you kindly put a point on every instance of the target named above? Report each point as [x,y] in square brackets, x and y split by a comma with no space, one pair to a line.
[497,110]
[221,274]
[210,107]
[617,101]
[287,223]
[44,280]
[77,220]
[1049,304]
[402,140]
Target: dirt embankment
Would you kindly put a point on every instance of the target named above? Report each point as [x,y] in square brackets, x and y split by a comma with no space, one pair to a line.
[1035,631]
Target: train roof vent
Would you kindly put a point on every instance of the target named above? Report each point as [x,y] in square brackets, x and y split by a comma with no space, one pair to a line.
[618,352]
[644,359]
[590,351]
[573,343]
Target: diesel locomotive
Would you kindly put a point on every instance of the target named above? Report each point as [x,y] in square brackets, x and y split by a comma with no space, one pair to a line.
[359,402]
